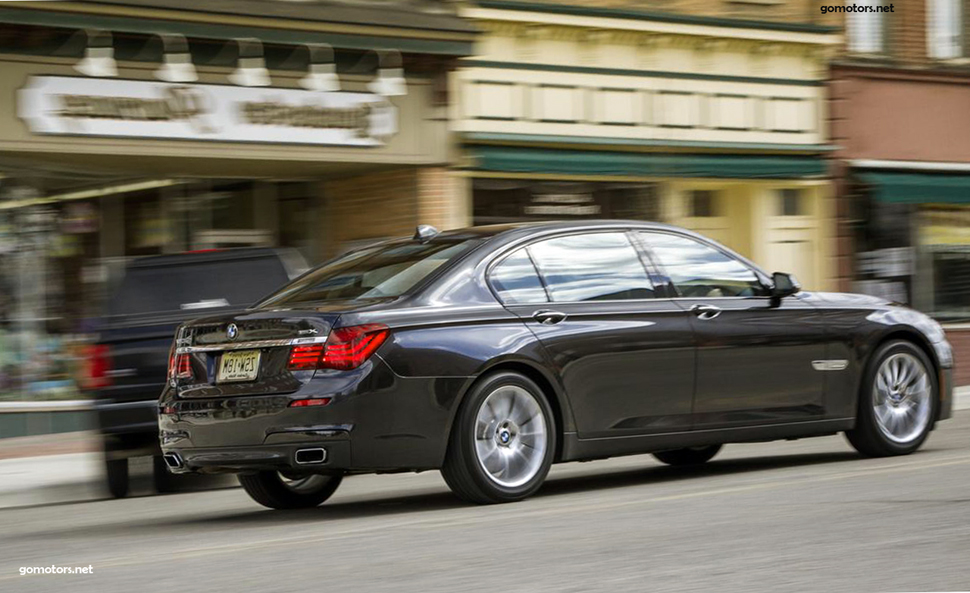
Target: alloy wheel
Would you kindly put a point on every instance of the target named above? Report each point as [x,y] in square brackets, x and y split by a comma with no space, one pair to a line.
[901,398]
[510,436]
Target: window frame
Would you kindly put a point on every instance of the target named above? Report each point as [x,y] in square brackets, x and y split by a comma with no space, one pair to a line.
[759,274]
[656,279]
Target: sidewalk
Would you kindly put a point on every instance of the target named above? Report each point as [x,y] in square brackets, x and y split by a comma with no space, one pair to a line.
[67,467]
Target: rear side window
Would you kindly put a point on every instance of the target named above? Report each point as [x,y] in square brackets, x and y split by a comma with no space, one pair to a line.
[516,280]
[592,267]
[189,285]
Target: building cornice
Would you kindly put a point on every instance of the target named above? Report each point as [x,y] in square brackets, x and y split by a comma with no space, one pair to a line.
[657,17]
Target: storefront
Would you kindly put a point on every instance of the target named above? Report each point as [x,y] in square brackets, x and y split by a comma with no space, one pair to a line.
[904,190]
[914,244]
[709,123]
[259,123]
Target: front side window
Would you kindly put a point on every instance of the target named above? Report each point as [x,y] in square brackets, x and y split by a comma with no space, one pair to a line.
[866,28]
[945,29]
[386,270]
[516,280]
[591,267]
[698,270]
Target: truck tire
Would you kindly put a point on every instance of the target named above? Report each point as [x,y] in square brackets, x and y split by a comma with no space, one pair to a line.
[116,474]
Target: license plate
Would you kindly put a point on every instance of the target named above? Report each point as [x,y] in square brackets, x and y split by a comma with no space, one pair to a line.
[238,366]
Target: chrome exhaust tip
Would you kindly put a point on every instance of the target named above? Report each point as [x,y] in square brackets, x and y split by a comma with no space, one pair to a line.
[308,456]
[173,460]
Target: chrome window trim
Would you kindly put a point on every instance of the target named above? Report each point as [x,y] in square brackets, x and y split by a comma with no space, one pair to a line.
[251,345]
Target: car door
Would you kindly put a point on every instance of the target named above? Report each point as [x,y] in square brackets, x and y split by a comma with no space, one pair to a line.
[754,353]
[625,356]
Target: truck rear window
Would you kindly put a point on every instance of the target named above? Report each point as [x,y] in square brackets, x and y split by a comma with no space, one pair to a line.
[387,270]
[197,285]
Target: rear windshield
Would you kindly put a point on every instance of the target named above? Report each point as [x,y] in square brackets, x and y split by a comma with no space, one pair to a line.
[197,286]
[387,270]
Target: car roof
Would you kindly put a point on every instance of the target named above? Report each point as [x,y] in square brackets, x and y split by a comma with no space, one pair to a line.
[522,229]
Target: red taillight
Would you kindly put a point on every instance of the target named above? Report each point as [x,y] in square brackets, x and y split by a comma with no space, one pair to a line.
[305,358]
[98,365]
[179,366]
[346,348]
[308,403]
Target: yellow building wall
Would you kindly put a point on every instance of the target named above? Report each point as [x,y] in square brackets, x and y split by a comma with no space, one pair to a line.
[593,82]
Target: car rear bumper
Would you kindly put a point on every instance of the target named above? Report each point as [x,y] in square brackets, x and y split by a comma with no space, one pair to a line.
[329,455]
[375,421]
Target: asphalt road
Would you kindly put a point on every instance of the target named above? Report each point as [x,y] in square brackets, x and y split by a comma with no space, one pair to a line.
[804,516]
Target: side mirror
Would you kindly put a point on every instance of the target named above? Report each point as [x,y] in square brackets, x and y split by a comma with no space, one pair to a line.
[784,285]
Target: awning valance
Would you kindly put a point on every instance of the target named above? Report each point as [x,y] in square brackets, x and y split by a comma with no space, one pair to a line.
[507,159]
[918,188]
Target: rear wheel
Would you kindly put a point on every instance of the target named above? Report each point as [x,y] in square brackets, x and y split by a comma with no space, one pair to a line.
[897,402]
[503,441]
[116,474]
[688,456]
[278,490]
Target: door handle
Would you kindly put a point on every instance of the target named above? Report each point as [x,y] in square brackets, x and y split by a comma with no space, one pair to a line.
[548,317]
[705,312]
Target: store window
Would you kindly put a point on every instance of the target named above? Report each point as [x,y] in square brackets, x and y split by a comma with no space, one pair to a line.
[866,30]
[944,237]
[703,203]
[790,202]
[944,36]
[296,216]
[145,231]
[499,201]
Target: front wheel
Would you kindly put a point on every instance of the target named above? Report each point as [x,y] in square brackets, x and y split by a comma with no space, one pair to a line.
[897,402]
[689,456]
[277,490]
[503,441]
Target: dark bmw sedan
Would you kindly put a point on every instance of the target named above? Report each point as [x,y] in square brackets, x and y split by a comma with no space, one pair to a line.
[491,353]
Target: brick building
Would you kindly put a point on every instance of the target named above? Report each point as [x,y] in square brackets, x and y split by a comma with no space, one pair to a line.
[898,100]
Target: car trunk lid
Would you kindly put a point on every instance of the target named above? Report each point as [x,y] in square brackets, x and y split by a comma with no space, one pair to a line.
[246,354]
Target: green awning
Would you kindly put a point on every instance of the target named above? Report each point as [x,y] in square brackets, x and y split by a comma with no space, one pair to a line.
[918,188]
[507,159]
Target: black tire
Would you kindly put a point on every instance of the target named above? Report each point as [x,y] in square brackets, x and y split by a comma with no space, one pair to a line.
[116,474]
[689,456]
[462,470]
[164,480]
[867,437]
[269,489]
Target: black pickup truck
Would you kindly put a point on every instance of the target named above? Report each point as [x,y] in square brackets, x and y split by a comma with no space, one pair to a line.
[128,365]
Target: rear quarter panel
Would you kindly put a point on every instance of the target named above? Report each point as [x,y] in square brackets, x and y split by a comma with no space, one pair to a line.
[462,342]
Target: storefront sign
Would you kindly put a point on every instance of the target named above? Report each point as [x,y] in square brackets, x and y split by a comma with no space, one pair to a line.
[146,109]
[563,205]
